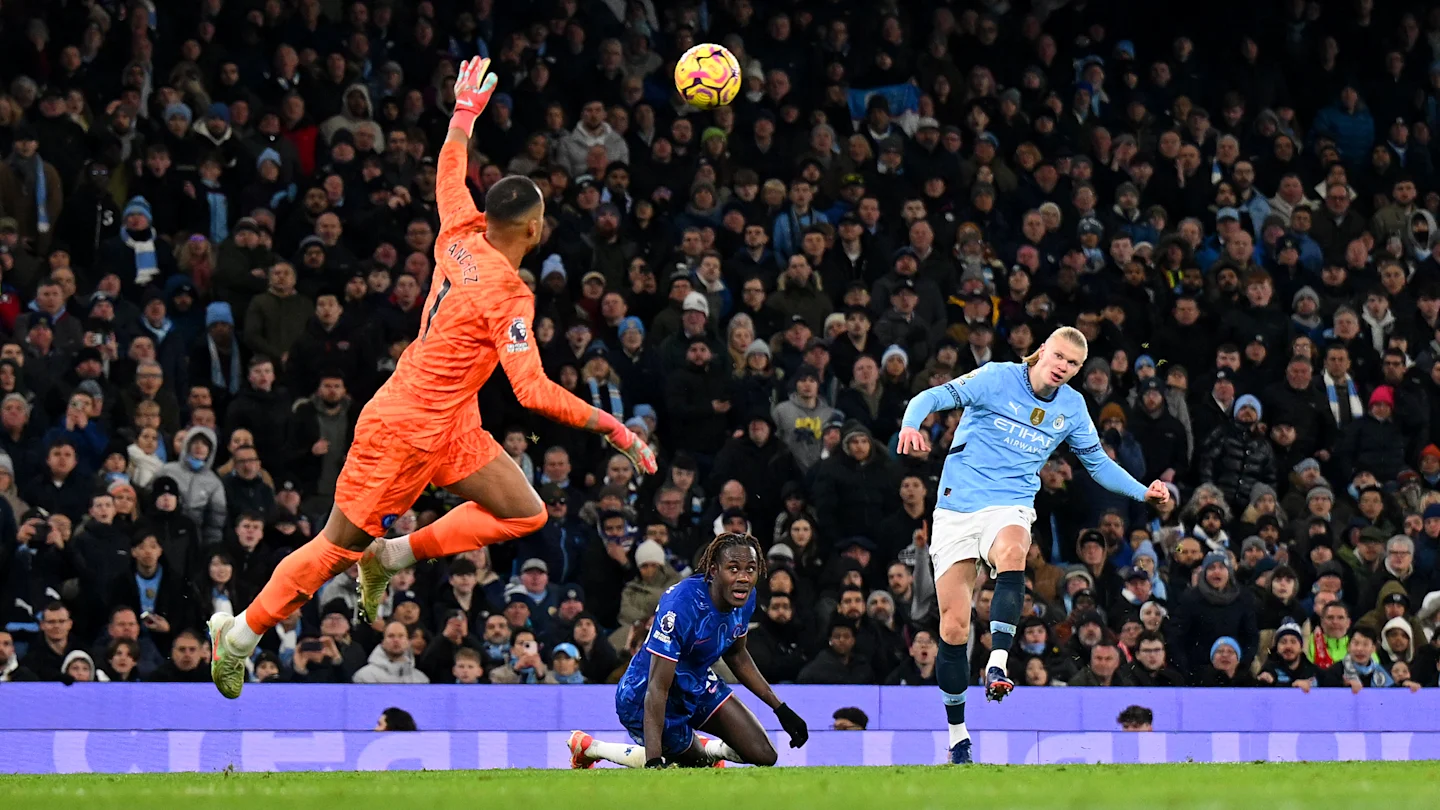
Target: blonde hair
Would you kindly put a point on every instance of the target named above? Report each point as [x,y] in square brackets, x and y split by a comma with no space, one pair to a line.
[1067,333]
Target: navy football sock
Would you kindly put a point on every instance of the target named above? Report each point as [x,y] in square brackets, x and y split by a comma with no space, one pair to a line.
[952,670]
[1005,609]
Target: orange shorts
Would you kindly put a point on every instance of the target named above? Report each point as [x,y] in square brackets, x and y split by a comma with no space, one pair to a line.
[384,474]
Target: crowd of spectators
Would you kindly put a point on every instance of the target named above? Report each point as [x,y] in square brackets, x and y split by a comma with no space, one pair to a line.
[217,226]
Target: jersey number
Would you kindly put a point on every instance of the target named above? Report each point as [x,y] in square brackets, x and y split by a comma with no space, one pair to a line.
[435,308]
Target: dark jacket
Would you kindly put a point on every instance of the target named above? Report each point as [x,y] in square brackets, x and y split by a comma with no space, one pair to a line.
[1163,441]
[264,414]
[694,424]
[829,668]
[1235,457]
[1168,676]
[852,497]
[1370,444]
[1202,615]
[884,420]
[777,649]
[171,601]
[755,467]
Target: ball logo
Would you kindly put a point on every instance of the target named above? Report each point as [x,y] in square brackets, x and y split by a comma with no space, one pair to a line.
[667,622]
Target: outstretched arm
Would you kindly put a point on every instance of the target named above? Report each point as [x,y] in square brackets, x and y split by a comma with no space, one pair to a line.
[958,393]
[473,87]
[537,392]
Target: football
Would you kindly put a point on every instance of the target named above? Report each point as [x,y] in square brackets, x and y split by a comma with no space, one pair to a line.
[708,76]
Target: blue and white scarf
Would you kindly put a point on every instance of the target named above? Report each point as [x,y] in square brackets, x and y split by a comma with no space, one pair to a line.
[1333,395]
[147,267]
[219,211]
[1358,672]
[217,374]
[617,406]
[42,197]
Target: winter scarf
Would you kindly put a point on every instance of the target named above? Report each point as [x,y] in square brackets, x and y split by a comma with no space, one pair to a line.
[1323,659]
[218,376]
[33,172]
[1358,672]
[617,406]
[146,265]
[1332,394]
[219,211]
[1219,598]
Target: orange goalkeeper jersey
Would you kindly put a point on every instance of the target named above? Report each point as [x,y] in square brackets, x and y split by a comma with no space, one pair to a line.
[478,313]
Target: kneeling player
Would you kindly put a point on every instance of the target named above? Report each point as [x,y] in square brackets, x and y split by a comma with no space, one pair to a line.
[669,694]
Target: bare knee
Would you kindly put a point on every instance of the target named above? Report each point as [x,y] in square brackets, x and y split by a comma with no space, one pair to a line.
[764,756]
[955,627]
[1008,554]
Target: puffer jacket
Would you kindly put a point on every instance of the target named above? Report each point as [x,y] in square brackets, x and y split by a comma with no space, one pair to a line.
[1236,458]
[202,494]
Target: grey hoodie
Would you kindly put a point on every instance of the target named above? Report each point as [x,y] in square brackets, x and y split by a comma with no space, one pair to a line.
[381,669]
[202,495]
[799,428]
[343,119]
[1415,250]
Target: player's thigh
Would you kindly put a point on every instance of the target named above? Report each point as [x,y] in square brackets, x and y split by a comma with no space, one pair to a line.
[1005,537]
[382,477]
[733,722]
[476,469]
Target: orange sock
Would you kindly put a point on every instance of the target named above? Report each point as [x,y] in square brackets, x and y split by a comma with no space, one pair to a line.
[297,578]
[466,527]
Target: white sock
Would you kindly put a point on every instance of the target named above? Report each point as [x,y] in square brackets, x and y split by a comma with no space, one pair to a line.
[240,639]
[395,553]
[717,750]
[999,658]
[628,754]
[958,733]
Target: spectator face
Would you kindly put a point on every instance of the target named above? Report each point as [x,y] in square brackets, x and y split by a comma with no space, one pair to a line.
[779,608]
[80,670]
[842,640]
[262,376]
[396,641]
[1035,673]
[1335,621]
[1104,660]
[123,625]
[247,463]
[186,653]
[1361,649]
[852,605]
[249,532]
[1092,553]
[147,554]
[924,649]
[1218,575]
[698,354]
[1090,634]
[497,630]
[534,580]
[1151,653]
[557,465]
[61,461]
[1225,659]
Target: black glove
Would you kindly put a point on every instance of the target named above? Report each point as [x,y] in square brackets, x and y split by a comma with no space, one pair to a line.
[793,724]
[657,763]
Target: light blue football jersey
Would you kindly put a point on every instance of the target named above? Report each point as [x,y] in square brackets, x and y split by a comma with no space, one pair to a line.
[1006,435]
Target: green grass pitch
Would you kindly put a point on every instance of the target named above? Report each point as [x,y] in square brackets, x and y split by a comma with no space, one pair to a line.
[1393,785]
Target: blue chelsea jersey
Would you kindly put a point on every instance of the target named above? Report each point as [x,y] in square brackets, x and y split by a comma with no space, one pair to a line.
[1006,435]
[689,630]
